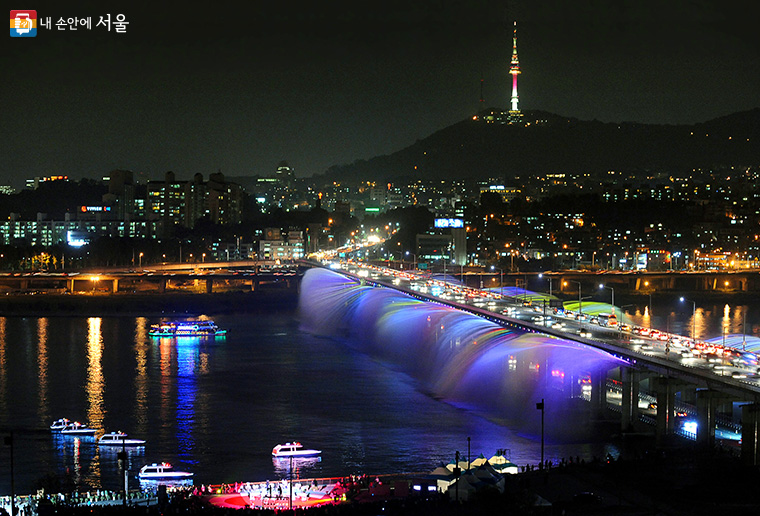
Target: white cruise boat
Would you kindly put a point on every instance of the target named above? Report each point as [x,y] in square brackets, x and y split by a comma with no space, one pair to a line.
[77,428]
[294,449]
[119,439]
[186,329]
[163,471]
[60,424]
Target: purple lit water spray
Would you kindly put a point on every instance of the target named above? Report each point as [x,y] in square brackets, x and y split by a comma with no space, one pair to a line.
[460,357]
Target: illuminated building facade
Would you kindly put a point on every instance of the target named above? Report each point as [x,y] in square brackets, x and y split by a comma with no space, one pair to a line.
[183,203]
[45,232]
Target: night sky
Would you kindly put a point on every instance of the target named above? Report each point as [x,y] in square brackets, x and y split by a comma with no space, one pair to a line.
[240,86]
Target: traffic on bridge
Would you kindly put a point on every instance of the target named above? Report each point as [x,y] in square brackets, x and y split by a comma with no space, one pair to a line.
[596,321]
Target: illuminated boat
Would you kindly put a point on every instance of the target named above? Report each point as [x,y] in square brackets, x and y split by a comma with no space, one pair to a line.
[163,471]
[186,329]
[77,428]
[294,449]
[119,439]
[60,424]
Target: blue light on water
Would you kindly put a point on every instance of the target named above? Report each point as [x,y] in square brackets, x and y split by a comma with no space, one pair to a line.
[187,357]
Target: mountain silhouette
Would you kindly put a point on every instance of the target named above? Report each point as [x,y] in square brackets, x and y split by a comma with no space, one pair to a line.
[550,143]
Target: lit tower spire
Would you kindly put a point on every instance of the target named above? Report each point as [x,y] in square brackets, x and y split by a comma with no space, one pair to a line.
[514,70]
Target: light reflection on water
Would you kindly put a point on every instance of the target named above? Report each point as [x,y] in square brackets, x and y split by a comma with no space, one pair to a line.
[95,387]
[3,372]
[187,356]
[217,407]
[95,381]
[141,375]
[707,321]
[42,360]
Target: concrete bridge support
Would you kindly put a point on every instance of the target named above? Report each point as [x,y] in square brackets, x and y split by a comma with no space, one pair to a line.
[162,285]
[115,285]
[630,403]
[209,285]
[598,394]
[751,434]
[706,410]
[666,398]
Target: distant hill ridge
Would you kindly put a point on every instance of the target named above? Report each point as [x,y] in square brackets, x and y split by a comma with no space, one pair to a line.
[476,150]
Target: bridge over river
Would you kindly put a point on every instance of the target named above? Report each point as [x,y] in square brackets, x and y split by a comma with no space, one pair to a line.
[157,278]
[717,391]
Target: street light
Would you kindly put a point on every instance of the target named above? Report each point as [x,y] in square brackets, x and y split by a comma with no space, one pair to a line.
[602,286]
[414,258]
[541,275]
[501,278]
[580,300]
[512,254]
[693,319]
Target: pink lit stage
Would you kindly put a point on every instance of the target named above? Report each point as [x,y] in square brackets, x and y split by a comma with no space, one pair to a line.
[238,501]
[275,495]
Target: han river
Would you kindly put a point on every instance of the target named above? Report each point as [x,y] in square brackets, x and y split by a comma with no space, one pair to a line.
[217,407]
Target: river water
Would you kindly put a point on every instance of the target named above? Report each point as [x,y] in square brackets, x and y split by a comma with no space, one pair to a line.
[217,406]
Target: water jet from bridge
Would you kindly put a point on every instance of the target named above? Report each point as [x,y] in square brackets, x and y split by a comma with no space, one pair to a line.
[465,359]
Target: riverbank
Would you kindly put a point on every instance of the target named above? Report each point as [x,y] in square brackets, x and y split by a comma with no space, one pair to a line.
[670,483]
[147,304]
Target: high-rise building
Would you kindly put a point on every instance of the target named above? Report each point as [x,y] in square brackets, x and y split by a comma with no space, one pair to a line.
[174,202]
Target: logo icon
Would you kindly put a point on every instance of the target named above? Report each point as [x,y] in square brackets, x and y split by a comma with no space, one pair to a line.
[23,24]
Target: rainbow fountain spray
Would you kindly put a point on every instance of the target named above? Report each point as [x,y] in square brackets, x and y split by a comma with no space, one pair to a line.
[460,357]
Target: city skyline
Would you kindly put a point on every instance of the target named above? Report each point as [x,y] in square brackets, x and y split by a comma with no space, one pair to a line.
[327,85]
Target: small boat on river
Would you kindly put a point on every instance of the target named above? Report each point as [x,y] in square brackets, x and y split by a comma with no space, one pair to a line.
[77,428]
[119,439]
[294,449]
[163,471]
[186,329]
[60,424]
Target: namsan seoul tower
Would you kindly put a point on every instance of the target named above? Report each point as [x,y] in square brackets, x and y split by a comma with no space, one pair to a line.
[514,71]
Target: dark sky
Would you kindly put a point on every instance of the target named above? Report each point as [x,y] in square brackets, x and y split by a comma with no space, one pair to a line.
[243,85]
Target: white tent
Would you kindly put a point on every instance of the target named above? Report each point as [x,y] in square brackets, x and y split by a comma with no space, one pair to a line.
[501,464]
[443,477]
[479,461]
[463,488]
[489,476]
[462,465]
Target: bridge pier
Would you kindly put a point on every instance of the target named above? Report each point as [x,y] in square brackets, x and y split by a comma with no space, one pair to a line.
[706,412]
[209,285]
[666,399]
[162,285]
[751,434]
[115,285]
[253,284]
[630,403]
[599,394]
